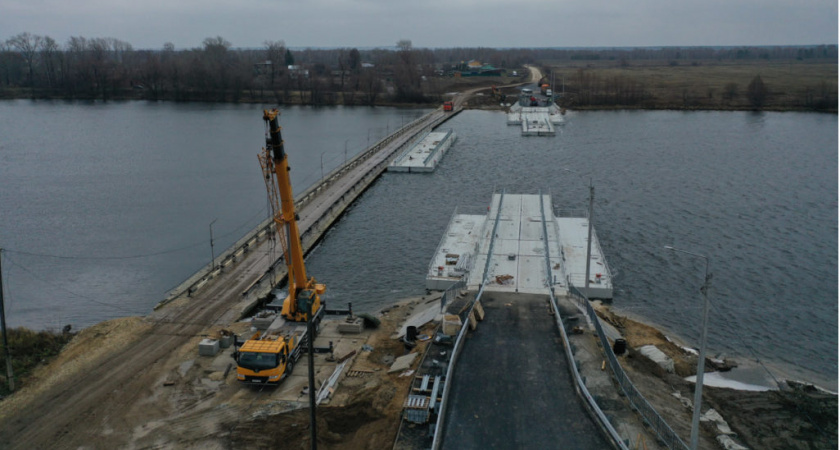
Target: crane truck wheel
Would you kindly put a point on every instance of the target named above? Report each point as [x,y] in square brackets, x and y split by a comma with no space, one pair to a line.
[290,366]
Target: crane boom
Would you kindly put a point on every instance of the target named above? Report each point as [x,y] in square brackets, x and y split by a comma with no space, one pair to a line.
[304,293]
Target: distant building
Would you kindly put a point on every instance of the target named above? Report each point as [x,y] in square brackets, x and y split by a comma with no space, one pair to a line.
[263,67]
[296,71]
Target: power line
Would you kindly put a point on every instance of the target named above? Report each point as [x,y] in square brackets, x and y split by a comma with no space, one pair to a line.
[137,256]
[98,302]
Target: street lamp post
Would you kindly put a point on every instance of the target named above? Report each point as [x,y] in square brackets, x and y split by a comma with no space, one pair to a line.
[345,150]
[322,164]
[212,251]
[589,238]
[701,358]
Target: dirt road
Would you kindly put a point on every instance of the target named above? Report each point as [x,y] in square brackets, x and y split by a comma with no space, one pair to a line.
[113,390]
[109,392]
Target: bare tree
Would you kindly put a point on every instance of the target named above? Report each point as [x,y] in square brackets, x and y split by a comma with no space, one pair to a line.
[49,52]
[275,52]
[404,45]
[27,45]
[371,86]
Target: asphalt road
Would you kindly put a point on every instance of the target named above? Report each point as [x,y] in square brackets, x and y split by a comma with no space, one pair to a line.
[512,387]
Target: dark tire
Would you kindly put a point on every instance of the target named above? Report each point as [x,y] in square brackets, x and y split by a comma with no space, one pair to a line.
[290,366]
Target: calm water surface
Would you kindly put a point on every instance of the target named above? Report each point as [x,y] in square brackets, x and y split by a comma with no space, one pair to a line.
[139,183]
[106,206]
[756,192]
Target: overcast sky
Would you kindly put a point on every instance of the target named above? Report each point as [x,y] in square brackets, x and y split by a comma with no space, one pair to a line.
[429,23]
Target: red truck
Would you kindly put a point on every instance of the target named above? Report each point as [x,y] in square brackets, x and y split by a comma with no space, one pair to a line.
[448,106]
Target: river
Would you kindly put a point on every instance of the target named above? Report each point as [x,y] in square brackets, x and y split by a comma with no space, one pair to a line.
[107,206]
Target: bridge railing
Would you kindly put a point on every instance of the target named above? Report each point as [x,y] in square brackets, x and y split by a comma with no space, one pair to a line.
[206,272]
[437,147]
[459,341]
[580,385]
[649,414]
[310,193]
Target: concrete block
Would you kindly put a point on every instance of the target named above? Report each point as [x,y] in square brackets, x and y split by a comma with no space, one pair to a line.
[262,323]
[473,321]
[403,363]
[208,347]
[451,324]
[479,311]
[352,327]
[226,340]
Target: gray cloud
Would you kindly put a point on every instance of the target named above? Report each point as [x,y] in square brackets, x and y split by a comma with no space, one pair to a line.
[433,23]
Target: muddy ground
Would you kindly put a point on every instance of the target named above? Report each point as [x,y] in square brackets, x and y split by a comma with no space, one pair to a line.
[185,401]
[795,417]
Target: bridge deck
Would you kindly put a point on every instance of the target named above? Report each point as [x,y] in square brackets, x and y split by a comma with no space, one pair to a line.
[512,387]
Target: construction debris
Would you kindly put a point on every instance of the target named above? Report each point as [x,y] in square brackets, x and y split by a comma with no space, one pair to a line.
[403,363]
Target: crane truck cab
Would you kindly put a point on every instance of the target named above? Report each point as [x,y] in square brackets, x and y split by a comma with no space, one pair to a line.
[448,106]
[268,359]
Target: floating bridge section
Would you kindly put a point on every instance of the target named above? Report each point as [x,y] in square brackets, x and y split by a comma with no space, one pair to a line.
[511,387]
[319,206]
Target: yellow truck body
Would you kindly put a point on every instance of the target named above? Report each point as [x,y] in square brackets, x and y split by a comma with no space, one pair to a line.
[267,360]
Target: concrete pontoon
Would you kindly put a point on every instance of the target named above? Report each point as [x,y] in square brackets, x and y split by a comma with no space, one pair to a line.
[425,154]
[535,120]
[518,255]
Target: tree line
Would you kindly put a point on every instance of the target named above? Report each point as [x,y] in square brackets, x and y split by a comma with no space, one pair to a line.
[107,68]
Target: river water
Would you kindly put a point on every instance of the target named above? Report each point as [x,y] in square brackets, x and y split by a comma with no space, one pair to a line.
[139,183]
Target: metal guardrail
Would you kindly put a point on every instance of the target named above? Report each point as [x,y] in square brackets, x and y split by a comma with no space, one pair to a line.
[440,244]
[310,193]
[410,144]
[459,342]
[580,385]
[437,147]
[649,415]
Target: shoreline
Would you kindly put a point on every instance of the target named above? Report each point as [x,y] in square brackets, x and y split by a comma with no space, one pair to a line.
[392,104]
[781,371]
[757,417]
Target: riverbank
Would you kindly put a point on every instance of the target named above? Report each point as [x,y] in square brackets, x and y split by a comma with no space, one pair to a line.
[482,101]
[365,409]
[790,414]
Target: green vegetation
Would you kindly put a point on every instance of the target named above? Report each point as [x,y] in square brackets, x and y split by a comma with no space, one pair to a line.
[29,348]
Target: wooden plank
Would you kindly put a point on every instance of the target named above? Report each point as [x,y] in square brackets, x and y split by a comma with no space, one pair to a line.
[479,310]
[425,384]
[434,393]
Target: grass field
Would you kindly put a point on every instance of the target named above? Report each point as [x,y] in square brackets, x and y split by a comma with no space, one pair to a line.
[702,85]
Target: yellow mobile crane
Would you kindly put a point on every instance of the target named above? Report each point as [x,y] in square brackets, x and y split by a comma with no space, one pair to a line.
[304,293]
[269,357]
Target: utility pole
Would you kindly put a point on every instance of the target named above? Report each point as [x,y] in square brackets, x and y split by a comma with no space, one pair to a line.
[345,150]
[589,239]
[10,376]
[701,358]
[310,330]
